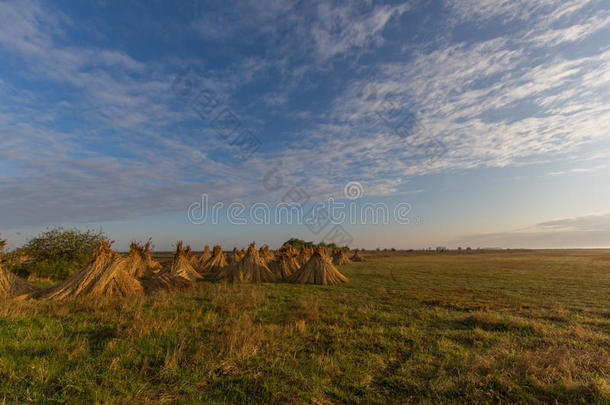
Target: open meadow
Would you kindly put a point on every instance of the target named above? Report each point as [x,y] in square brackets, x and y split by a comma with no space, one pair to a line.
[520,326]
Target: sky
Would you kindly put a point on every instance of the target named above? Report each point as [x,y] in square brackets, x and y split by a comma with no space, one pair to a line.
[485,122]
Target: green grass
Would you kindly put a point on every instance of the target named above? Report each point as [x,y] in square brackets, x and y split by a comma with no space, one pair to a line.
[413,328]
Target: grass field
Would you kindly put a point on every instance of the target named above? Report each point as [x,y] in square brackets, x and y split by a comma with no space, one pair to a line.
[408,328]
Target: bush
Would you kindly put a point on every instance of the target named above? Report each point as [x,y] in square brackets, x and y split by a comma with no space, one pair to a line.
[57,253]
[298,244]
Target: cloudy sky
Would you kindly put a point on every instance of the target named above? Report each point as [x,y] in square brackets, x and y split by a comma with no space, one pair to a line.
[489,118]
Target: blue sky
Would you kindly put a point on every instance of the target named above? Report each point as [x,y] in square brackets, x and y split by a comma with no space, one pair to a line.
[490,118]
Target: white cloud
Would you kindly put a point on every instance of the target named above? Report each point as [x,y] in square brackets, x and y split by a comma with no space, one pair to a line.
[592,222]
[463,94]
[572,33]
[338,30]
[484,11]
[275,99]
[587,231]
[589,169]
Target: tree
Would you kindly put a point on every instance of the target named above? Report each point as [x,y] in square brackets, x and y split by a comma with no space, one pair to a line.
[299,243]
[57,252]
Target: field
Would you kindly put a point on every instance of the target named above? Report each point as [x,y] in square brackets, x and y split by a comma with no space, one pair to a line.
[523,326]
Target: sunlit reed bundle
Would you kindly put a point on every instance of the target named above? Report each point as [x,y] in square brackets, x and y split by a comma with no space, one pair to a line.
[357,257]
[11,286]
[151,263]
[165,280]
[318,270]
[340,258]
[200,261]
[285,262]
[181,265]
[304,255]
[217,262]
[108,274]
[188,252]
[266,254]
[152,275]
[289,250]
[234,257]
[140,262]
[251,268]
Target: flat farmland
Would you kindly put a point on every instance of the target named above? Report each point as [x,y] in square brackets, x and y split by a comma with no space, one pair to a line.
[505,326]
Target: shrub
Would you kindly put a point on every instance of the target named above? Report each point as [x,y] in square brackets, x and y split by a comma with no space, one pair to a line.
[57,252]
[299,243]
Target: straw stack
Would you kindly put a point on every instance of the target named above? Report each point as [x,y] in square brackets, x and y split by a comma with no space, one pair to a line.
[251,268]
[318,270]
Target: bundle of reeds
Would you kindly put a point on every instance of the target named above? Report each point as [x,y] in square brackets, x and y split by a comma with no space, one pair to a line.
[154,266]
[108,274]
[217,262]
[200,261]
[251,268]
[154,277]
[357,257]
[340,258]
[11,286]
[234,257]
[318,270]
[266,254]
[141,264]
[304,255]
[285,262]
[181,265]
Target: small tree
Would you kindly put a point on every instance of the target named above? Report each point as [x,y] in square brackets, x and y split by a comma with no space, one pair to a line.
[57,252]
[298,244]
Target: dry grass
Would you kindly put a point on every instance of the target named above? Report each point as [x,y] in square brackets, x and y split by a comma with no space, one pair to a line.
[522,327]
